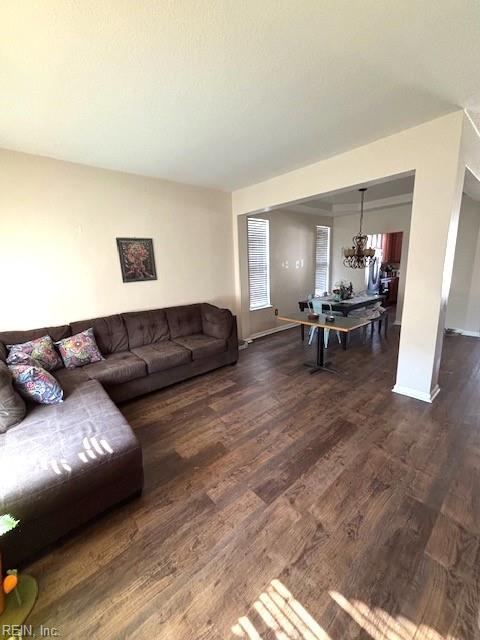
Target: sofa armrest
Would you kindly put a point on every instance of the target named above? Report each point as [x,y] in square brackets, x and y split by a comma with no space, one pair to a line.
[216,322]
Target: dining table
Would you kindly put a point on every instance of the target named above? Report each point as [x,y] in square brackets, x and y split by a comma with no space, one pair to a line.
[345,307]
[321,322]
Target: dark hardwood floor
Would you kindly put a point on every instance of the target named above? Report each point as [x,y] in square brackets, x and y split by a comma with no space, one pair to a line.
[284,505]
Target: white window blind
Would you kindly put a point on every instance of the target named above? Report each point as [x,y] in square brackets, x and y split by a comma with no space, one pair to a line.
[258,263]
[376,241]
[322,260]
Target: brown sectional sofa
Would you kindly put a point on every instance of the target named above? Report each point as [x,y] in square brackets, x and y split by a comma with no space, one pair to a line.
[64,464]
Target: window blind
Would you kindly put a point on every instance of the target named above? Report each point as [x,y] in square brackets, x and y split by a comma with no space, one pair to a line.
[322,260]
[258,263]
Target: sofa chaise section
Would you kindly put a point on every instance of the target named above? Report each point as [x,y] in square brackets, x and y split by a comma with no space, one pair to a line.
[64,464]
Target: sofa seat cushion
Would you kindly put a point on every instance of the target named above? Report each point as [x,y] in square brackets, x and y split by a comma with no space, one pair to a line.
[163,355]
[117,367]
[60,453]
[70,379]
[202,346]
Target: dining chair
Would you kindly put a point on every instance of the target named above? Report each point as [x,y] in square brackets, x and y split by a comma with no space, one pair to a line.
[316,306]
[375,314]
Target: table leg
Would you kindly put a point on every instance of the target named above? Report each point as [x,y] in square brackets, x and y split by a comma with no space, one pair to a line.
[302,330]
[320,364]
[320,347]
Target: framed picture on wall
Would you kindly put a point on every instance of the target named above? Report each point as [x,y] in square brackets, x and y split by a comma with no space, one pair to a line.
[136,259]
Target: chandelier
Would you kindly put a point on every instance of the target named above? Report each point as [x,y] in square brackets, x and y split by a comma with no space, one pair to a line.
[359,255]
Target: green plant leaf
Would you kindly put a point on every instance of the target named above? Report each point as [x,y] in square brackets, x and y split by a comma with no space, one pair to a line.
[7,523]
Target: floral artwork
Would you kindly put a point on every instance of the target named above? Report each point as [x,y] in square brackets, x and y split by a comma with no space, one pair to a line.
[136,259]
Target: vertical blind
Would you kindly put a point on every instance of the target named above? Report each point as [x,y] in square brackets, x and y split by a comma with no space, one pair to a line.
[258,263]
[322,260]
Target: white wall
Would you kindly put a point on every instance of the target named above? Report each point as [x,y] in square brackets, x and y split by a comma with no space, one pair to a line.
[292,239]
[388,220]
[58,255]
[463,309]
[438,152]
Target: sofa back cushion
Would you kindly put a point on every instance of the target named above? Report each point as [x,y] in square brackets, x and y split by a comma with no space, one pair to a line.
[18,337]
[146,327]
[216,322]
[185,320]
[110,332]
[12,407]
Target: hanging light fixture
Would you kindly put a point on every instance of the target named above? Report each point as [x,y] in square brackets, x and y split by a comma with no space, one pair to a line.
[359,255]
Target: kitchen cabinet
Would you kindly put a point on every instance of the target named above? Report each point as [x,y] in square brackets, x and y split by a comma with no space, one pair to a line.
[392,247]
[389,287]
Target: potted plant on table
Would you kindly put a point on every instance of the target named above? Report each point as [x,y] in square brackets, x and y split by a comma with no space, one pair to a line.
[7,523]
[18,592]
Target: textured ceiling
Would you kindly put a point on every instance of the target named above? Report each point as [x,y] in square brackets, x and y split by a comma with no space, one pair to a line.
[387,189]
[225,93]
[336,204]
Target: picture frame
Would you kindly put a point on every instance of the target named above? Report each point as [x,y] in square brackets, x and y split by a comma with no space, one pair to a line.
[137,259]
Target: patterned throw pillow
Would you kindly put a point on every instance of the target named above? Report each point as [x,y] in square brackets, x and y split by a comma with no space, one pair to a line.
[79,350]
[42,350]
[34,383]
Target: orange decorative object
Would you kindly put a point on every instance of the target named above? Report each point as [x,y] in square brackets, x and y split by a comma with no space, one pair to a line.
[10,583]
[2,595]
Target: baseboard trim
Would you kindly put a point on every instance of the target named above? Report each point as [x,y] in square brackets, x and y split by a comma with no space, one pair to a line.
[462,332]
[267,332]
[418,395]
